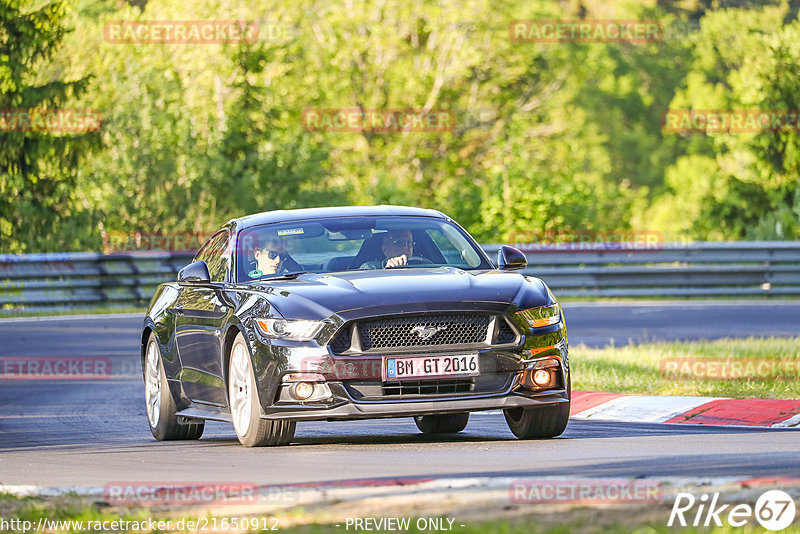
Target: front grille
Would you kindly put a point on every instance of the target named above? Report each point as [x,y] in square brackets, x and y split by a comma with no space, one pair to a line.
[342,341]
[453,329]
[428,387]
[464,330]
[376,390]
[505,334]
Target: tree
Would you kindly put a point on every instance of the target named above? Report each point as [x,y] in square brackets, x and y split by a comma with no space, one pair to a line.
[739,185]
[265,160]
[37,167]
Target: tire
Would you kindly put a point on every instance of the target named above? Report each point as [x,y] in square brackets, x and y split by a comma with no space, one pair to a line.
[251,429]
[159,404]
[539,422]
[442,424]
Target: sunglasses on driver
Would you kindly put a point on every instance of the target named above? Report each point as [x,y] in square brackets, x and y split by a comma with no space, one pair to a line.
[272,254]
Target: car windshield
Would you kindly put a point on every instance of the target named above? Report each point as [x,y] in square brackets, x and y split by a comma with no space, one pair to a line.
[353,243]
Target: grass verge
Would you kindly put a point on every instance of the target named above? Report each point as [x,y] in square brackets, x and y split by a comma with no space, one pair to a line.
[643,519]
[767,368]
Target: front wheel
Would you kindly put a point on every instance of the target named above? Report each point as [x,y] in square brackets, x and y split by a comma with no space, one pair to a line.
[160,405]
[539,422]
[442,424]
[251,429]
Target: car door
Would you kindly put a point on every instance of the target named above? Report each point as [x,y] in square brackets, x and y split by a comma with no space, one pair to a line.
[198,333]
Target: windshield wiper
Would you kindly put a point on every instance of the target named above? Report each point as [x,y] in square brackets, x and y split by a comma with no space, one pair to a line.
[286,276]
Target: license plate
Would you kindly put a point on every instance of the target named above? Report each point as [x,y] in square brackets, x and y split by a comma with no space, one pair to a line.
[430,366]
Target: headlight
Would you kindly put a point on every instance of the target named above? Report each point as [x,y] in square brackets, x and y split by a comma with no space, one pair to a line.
[297,330]
[541,316]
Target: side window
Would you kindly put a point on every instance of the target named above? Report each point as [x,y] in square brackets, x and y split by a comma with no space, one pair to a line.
[216,255]
[203,251]
[451,254]
[454,247]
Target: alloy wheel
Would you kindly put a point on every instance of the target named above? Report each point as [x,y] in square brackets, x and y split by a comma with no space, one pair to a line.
[240,389]
[152,385]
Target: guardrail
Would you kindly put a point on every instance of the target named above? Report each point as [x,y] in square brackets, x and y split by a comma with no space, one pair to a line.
[745,268]
[67,281]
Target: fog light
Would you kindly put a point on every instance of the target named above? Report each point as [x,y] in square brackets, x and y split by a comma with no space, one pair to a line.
[541,377]
[303,390]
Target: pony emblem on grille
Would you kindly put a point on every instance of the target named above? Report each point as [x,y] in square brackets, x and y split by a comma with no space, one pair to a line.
[426,332]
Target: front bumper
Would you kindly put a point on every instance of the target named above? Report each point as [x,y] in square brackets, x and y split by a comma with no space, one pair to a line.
[341,407]
[343,403]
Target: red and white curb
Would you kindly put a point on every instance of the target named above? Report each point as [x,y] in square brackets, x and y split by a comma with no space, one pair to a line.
[685,410]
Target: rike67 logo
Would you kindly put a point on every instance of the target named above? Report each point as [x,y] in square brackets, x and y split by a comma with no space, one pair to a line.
[774,510]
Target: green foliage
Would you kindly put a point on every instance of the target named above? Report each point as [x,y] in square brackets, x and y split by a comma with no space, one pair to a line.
[38,208]
[275,163]
[640,369]
[548,137]
[741,185]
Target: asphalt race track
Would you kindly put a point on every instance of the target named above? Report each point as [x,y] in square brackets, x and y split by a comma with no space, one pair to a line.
[90,433]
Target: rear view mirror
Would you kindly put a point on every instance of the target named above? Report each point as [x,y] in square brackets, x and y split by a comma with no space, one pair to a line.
[195,273]
[510,259]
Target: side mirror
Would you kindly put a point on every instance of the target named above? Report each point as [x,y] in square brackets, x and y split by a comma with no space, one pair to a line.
[195,273]
[510,259]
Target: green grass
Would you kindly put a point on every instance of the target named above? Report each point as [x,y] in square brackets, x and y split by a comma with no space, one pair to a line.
[637,368]
[66,507]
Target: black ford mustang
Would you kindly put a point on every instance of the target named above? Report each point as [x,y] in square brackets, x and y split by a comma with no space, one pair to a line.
[352,313]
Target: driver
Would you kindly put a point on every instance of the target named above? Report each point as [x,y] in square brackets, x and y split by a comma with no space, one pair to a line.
[397,246]
[271,258]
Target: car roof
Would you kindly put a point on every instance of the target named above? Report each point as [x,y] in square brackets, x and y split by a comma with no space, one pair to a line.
[338,211]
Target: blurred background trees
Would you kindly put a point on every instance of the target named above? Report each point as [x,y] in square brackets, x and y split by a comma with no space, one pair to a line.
[39,201]
[548,137]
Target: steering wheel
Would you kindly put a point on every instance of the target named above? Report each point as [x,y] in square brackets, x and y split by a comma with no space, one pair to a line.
[418,260]
[410,260]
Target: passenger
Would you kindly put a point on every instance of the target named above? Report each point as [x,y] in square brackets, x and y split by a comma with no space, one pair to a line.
[272,258]
[396,246]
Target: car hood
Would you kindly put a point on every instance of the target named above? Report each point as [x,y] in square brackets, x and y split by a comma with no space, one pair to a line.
[352,294]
